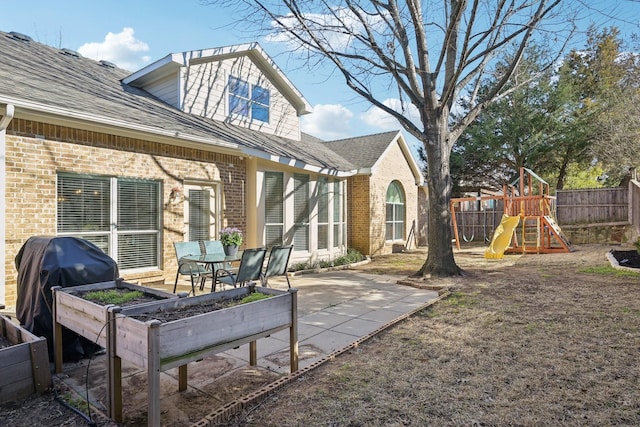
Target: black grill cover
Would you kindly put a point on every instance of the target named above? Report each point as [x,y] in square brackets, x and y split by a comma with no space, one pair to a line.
[45,262]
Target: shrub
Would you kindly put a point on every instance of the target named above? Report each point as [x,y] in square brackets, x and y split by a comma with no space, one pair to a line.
[352,256]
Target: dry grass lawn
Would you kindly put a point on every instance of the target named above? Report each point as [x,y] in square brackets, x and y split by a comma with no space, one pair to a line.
[535,340]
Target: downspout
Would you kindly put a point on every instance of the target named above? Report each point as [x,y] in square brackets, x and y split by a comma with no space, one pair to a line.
[4,124]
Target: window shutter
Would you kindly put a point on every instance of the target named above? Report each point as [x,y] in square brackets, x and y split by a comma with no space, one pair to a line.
[137,205]
[323,213]
[138,223]
[337,213]
[301,211]
[199,214]
[274,208]
[83,204]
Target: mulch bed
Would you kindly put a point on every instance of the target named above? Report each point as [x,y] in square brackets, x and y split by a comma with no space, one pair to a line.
[176,313]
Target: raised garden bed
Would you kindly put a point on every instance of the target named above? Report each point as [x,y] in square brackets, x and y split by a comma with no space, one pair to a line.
[24,362]
[89,318]
[168,334]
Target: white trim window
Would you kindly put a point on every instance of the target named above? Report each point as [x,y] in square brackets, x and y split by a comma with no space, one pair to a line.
[248,100]
[339,223]
[323,212]
[121,216]
[395,212]
[301,212]
[273,208]
[201,211]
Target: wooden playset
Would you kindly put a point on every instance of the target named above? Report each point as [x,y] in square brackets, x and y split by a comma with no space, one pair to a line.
[528,223]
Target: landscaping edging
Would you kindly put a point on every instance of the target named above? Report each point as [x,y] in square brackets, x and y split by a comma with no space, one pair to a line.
[235,407]
[325,269]
[615,264]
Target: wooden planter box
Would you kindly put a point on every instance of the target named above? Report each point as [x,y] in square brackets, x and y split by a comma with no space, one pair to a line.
[159,346]
[88,318]
[24,366]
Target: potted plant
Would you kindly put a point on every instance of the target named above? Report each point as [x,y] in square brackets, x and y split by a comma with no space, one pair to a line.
[231,238]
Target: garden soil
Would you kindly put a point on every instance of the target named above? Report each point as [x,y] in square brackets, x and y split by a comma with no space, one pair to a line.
[527,340]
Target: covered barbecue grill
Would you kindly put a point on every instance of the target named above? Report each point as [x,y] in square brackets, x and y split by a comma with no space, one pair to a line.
[45,262]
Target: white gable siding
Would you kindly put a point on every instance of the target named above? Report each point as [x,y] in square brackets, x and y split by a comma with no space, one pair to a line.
[167,89]
[204,91]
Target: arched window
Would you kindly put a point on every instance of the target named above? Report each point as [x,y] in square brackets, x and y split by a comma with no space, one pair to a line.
[395,223]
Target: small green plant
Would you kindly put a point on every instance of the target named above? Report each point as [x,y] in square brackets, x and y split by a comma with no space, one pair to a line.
[231,236]
[112,296]
[256,296]
[75,401]
[325,264]
[352,256]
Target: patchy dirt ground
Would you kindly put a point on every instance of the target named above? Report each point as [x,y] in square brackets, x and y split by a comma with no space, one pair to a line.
[529,340]
[535,340]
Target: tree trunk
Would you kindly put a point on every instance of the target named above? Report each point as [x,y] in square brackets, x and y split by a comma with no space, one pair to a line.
[440,261]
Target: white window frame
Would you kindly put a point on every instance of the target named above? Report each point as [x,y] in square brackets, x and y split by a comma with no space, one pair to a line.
[113,234]
[395,206]
[301,212]
[215,201]
[339,234]
[249,100]
[277,201]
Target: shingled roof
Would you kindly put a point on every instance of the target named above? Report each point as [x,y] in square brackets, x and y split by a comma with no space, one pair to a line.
[41,79]
[363,151]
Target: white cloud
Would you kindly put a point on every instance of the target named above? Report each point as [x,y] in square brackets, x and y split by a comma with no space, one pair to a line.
[328,121]
[337,30]
[122,48]
[377,118]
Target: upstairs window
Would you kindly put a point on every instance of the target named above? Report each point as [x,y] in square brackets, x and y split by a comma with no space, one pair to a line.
[247,100]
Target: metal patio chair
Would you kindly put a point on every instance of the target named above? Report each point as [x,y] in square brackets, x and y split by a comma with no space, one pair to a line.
[195,271]
[277,264]
[250,269]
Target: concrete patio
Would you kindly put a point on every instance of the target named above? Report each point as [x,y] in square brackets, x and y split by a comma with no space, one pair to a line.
[336,311]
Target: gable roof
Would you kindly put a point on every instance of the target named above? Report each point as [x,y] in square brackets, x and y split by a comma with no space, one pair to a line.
[366,151]
[172,62]
[61,86]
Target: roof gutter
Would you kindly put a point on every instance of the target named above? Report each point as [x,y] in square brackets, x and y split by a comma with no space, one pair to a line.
[65,116]
[299,164]
[8,116]
[4,124]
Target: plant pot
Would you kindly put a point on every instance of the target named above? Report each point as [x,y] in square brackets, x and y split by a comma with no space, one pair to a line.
[231,250]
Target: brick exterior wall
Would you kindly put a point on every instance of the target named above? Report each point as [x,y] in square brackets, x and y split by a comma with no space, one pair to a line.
[367,203]
[358,214]
[392,167]
[35,152]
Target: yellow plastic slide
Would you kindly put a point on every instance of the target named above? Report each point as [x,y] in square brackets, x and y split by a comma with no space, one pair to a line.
[502,237]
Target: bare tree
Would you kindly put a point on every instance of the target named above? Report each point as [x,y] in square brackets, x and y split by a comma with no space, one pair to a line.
[432,53]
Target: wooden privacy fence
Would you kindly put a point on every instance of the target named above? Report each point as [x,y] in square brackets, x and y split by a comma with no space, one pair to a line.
[593,206]
[634,203]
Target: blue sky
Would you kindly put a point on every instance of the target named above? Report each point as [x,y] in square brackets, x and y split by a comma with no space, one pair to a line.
[134,33]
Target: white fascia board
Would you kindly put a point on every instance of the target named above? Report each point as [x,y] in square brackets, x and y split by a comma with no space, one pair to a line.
[33,110]
[286,86]
[151,69]
[298,164]
[253,50]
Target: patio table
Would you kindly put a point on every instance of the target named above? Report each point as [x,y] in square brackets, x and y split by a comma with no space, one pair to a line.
[209,260]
